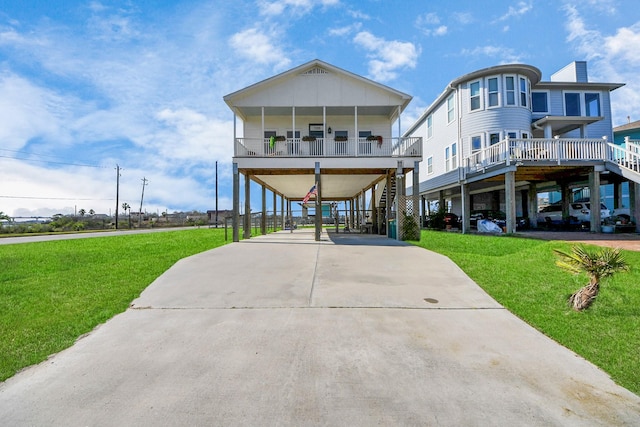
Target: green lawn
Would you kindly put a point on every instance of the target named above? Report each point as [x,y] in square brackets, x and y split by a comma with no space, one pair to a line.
[521,274]
[53,292]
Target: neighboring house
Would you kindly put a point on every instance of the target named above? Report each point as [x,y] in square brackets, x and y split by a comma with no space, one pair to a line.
[319,124]
[497,137]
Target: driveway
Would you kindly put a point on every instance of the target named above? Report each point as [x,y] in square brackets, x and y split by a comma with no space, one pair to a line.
[353,330]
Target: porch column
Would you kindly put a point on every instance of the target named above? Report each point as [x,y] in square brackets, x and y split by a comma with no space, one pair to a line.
[318,199]
[634,203]
[533,205]
[263,219]
[548,131]
[355,126]
[594,198]
[275,213]
[262,114]
[290,215]
[565,191]
[441,201]
[247,207]
[388,204]
[510,200]
[282,210]
[617,195]
[423,209]
[374,211]
[293,123]
[235,219]
[466,208]
[415,192]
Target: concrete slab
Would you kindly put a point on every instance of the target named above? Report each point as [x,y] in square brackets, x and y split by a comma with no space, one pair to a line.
[283,330]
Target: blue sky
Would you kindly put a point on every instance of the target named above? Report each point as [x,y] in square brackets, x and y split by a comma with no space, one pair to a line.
[86,85]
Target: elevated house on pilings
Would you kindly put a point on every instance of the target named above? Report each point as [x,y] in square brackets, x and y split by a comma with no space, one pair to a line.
[497,137]
[319,124]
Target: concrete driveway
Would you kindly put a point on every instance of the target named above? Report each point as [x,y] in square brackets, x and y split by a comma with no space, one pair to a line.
[281,330]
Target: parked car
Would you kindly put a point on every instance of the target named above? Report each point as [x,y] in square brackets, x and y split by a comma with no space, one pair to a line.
[499,217]
[579,213]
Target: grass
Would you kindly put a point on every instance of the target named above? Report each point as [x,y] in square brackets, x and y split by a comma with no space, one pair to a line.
[53,292]
[522,276]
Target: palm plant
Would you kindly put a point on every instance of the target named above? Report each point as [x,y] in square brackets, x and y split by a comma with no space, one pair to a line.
[597,264]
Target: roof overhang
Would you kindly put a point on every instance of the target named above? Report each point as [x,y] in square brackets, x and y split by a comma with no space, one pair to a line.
[563,124]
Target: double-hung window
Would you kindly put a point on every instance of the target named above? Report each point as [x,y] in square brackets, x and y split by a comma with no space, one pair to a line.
[524,92]
[474,93]
[510,90]
[492,92]
[430,126]
[451,108]
[429,165]
[451,157]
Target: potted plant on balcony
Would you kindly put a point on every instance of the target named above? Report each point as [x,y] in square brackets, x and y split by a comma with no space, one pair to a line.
[281,138]
[308,138]
[375,138]
[340,138]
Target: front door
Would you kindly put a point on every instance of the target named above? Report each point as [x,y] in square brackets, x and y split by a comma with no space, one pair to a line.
[316,147]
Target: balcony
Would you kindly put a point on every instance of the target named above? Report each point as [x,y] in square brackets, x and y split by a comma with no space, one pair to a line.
[328,147]
[539,152]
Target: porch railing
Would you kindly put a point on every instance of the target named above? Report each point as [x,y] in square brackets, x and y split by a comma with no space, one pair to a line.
[328,147]
[555,150]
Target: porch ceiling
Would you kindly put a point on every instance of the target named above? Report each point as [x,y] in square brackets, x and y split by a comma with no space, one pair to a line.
[381,110]
[336,185]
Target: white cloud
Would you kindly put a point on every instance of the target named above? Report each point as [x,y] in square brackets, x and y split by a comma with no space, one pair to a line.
[28,111]
[258,47]
[503,54]
[386,57]
[612,58]
[297,7]
[429,24]
[463,18]
[515,12]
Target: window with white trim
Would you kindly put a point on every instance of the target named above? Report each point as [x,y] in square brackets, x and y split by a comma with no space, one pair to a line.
[451,157]
[429,165]
[474,95]
[592,104]
[510,90]
[525,135]
[524,92]
[476,143]
[512,135]
[540,102]
[493,99]
[430,126]
[451,108]
[494,138]
[572,103]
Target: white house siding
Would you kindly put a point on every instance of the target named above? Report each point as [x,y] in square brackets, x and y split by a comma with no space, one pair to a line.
[496,120]
[378,125]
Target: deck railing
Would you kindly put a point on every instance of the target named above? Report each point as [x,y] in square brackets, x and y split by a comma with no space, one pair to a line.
[555,150]
[328,147]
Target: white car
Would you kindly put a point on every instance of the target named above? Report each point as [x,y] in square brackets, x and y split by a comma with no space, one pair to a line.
[579,212]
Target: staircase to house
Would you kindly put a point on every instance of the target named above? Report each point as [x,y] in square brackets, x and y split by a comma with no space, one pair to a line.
[625,160]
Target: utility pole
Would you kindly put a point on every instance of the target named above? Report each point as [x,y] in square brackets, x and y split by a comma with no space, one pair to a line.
[117,191]
[216,194]
[144,184]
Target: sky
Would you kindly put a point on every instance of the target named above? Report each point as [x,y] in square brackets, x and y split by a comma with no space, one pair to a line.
[88,86]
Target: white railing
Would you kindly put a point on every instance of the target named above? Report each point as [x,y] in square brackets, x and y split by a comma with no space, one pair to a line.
[556,150]
[328,147]
[626,157]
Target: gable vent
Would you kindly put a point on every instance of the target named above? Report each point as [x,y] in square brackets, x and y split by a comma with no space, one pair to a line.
[315,71]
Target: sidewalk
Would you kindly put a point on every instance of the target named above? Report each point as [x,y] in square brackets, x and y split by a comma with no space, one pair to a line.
[353,330]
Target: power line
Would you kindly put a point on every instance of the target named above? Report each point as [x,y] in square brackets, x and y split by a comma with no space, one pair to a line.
[49,198]
[55,163]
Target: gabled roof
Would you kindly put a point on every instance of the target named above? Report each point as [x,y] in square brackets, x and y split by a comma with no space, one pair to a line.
[628,126]
[314,67]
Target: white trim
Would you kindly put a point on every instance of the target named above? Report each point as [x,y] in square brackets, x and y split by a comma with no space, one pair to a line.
[497,92]
[478,96]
